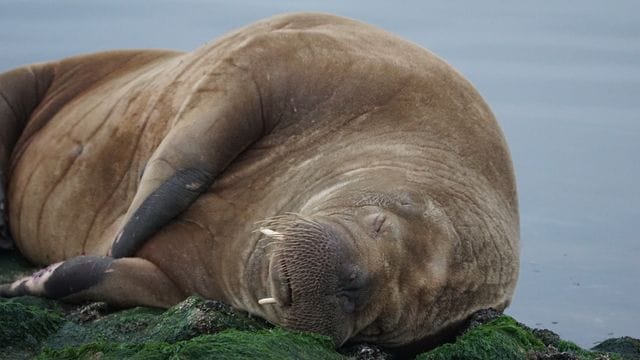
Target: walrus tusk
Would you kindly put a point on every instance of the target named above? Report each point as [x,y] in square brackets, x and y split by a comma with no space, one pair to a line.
[271,233]
[266,301]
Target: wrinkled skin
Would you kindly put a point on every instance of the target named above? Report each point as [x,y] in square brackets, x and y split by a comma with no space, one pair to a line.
[310,169]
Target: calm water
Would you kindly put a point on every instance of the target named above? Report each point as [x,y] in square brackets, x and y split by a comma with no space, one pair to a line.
[562,77]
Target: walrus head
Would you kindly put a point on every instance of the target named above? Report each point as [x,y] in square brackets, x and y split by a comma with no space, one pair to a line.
[314,279]
[369,269]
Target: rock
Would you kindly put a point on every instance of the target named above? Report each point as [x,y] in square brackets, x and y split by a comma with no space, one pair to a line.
[229,344]
[481,317]
[13,266]
[502,338]
[197,328]
[24,326]
[364,351]
[627,347]
[89,312]
[190,318]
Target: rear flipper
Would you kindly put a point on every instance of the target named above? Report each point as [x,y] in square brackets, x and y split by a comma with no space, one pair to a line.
[122,282]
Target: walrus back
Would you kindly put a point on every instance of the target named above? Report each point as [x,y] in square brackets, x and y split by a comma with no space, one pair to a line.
[20,93]
[37,150]
[21,90]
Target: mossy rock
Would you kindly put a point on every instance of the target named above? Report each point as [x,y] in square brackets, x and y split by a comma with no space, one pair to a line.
[23,327]
[13,266]
[502,338]
[627,347]
[505,338]
[196,328]
[30,324]
[557,347]
[230,344]
[195,316]
[192,317]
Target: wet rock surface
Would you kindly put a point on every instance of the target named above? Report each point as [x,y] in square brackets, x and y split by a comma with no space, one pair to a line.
[364,352]
[196,328]
[625,346]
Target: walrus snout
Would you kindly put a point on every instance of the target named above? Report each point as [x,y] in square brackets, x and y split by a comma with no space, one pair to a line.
[350,286]
[314,278]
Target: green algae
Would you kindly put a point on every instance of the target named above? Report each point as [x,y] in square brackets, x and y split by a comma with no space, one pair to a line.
[627,347]
[126,326]
[192,317]
[230,344]
[13,266]
[556,345]
[502,338]
[505,338]
[43,324]
[196,328]
[23,327]
[196,316]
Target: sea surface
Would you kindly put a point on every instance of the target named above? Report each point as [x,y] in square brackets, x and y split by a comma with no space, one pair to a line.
[562,77]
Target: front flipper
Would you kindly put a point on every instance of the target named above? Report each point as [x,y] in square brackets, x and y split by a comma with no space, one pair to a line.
[219,120]
[168,199]
[121,282]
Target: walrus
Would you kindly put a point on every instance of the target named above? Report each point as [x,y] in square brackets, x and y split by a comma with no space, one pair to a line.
[309,169]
